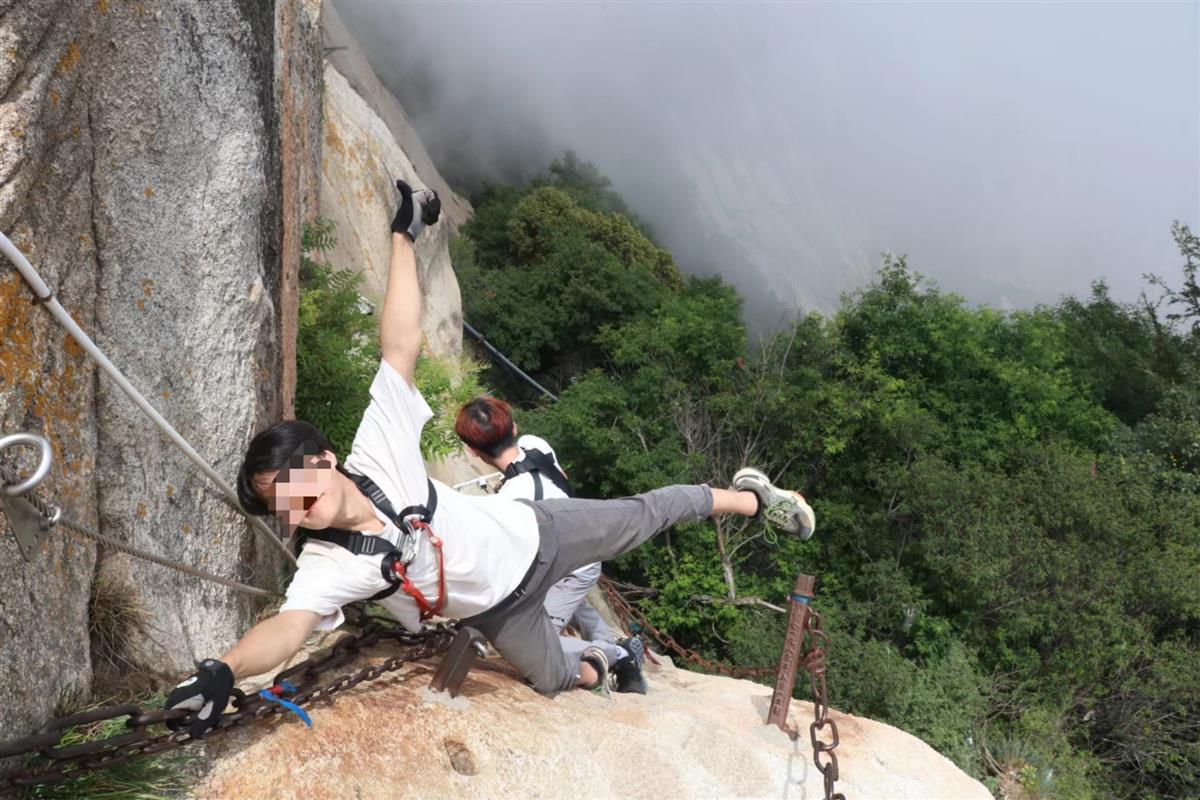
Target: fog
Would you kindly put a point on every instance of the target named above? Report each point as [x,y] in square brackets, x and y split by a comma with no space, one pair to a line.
[1014,152]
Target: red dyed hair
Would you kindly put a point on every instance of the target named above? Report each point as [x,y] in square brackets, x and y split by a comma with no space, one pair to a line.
[486,424]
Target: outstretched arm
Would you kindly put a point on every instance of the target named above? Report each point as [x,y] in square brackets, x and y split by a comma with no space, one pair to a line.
[207,692]
[270,642]
[400,325]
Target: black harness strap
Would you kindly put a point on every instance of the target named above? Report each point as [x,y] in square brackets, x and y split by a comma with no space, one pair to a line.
[536,463]
[380,500]
[362,544]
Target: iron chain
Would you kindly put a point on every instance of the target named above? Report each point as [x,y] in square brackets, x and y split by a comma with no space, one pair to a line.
[622,606]
[814,664]
[818,643]
[70,761]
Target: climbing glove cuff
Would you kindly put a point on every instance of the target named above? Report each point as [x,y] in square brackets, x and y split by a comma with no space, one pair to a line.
[417,209]
[207,693]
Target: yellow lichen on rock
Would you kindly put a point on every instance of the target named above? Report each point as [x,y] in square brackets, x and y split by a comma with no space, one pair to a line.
[69,59]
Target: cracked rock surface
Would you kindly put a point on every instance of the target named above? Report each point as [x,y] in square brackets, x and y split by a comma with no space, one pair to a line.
[141,173]
[691,736]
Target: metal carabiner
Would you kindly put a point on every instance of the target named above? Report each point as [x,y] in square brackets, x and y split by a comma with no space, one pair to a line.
[43,468]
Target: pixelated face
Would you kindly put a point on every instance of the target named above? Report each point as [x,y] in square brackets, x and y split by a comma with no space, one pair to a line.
[299,494]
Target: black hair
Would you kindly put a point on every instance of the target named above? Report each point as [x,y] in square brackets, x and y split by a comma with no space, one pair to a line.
[270,450]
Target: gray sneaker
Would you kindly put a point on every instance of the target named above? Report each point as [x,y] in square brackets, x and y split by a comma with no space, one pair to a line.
[627,673]
[786,510]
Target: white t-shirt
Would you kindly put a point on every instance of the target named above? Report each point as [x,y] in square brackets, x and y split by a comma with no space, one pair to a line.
[488,542]
[523,486]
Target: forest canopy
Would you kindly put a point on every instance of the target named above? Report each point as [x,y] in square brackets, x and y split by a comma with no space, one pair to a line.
[1008,542]
[1009,502]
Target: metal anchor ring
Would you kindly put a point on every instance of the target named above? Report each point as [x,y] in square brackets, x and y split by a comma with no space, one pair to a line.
[43,468]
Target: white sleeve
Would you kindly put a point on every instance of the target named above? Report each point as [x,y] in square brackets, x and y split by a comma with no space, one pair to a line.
[404,609]
[319,586]
[387,445]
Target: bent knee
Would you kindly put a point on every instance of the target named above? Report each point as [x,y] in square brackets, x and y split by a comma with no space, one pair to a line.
[551,682]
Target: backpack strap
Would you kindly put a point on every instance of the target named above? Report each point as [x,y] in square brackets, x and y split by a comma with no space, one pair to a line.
[537,463]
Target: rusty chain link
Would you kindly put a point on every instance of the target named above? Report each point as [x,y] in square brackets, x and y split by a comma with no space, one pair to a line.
[813,663]
[74,759]
[70,761]
[622,606]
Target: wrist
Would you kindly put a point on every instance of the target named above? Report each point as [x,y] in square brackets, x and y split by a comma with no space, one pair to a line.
[231,661]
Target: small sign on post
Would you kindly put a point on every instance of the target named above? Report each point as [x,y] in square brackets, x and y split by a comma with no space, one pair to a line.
[789,660]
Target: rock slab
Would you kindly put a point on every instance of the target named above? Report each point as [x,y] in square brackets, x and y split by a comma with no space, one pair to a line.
[368,144]
[692,736]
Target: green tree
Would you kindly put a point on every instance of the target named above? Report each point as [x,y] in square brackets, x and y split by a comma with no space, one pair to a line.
[1008,541]
[337,348]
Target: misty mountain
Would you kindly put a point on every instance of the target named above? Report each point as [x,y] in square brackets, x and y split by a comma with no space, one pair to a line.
[1014,152]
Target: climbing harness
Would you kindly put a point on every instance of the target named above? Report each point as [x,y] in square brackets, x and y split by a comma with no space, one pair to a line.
[412,523]
[45,297]
[70,761]
[32,519]
[67,762]
[535,464]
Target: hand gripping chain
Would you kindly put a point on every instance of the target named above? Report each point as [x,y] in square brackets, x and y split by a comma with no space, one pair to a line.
[138,741]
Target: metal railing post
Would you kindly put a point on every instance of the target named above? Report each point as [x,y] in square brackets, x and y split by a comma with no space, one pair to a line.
[789,659]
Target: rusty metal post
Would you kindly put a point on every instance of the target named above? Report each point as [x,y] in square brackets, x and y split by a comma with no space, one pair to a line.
[789,659]
[458,660]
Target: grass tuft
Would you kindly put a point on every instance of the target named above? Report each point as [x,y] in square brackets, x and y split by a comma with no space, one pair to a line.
[162,777]
[116,621]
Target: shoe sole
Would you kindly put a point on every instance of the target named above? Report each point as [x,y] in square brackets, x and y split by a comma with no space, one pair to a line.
[755,481]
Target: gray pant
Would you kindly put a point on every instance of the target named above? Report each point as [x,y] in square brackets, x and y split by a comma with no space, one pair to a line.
[567,602]
[573,533]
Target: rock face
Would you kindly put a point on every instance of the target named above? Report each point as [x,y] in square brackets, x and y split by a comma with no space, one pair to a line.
[347,57]
[147,169]
[692,736]
[368,143]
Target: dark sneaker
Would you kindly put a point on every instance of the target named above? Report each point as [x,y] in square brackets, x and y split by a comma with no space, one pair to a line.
[627,673]
[595,656]
[785,510]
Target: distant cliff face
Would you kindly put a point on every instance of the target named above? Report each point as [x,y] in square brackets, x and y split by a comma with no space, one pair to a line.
[359,167]
[155,162]
[368,144]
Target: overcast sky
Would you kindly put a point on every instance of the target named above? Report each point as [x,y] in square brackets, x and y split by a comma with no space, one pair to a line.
[1015,152]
